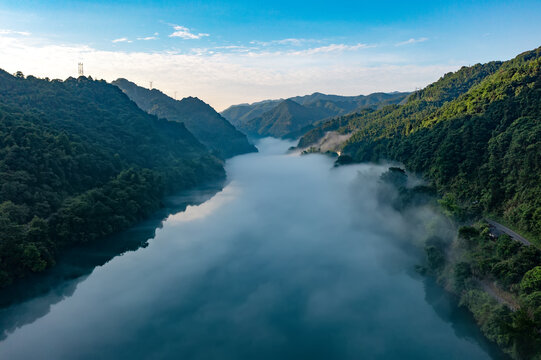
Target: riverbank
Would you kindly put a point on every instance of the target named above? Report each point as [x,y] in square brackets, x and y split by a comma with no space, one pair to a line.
[42,290]
[494,277]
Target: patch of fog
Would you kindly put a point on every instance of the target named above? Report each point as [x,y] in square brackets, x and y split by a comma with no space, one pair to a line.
[293,259]
[332,141]
[374,209]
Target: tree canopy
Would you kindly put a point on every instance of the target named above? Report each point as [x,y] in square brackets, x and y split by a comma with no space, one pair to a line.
[78,161]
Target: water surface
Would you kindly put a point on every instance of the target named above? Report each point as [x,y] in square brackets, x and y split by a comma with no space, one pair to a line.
[293,259]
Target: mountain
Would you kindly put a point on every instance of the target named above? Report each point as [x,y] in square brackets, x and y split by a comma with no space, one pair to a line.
[238,114]
[313,108]
[79,161]
[201,119]
[286,118]
[475,135]
[417,106]
[359,101]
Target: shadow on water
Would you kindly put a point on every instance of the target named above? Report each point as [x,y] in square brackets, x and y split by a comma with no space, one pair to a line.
[447,308]
[31,298]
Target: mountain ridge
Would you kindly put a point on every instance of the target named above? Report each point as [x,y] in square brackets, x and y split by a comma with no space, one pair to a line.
[313,108]
[200,118]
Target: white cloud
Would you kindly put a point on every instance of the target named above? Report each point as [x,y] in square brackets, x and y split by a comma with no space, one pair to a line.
[230,77]
[331,48]
[147,38]
[231,47]
[411,41]
[14,32]
[185,33]
[121,40]
[289,41]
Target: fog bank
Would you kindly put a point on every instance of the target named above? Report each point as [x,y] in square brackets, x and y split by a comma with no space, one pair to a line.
[294,259]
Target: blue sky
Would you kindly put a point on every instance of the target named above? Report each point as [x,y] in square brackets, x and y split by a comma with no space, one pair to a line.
[241,51]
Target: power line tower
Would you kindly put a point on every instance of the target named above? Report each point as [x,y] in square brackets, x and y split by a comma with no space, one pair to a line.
[80,69]
[150,87]
[175,95]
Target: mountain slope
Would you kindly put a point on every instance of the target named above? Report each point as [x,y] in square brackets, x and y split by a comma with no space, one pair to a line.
[396,118]
[476,136]
[319,106]
[201,119]
[239,114]
[474,133]
[79,160]
[286,118]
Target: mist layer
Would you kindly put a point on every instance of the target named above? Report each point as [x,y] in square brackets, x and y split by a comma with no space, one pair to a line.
[294,259]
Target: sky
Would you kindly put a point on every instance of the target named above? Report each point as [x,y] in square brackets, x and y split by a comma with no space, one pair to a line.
[230,52]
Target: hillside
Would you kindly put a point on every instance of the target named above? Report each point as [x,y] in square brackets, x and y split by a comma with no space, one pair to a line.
[314,108]
[286,118]
[79,161]
[475,135]
[201,119]
[239,114]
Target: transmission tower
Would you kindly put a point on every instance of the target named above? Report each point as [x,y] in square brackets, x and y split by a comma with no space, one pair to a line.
[175,95]
[81,73]
[150,85]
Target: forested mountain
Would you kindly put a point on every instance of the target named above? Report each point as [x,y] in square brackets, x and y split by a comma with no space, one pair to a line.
[238,114]
[475,133]
[354,102]
[281,118]
[476,136]
[286,118]
[201,119]
[79,160]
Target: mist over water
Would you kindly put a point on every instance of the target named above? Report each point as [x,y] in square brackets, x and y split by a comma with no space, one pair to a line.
[294,259]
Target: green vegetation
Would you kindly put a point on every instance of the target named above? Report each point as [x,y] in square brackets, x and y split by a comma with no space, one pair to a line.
[293,117]
[79,161]
[475,134]
[510,312]
[200,119]
[288,117]
[496,277]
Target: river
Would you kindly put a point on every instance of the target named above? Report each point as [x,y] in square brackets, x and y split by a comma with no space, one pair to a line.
[293,259]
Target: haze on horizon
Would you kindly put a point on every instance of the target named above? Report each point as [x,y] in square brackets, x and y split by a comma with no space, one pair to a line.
[234,52]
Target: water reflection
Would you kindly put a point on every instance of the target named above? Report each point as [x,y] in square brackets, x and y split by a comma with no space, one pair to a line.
[447,308]
[293,259]
[32,297]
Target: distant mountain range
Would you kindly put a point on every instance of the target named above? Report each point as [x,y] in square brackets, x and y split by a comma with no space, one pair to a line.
[200,119]
[294,116]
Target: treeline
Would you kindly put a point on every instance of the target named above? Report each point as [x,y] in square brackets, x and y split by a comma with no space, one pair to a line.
[78,161]
[474,133]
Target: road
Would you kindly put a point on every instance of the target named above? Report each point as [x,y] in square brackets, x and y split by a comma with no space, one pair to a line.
[502,229]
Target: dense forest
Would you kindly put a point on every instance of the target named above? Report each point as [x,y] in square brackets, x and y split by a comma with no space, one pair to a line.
[200,119]
[79,160]
[496,277]
[474,133]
